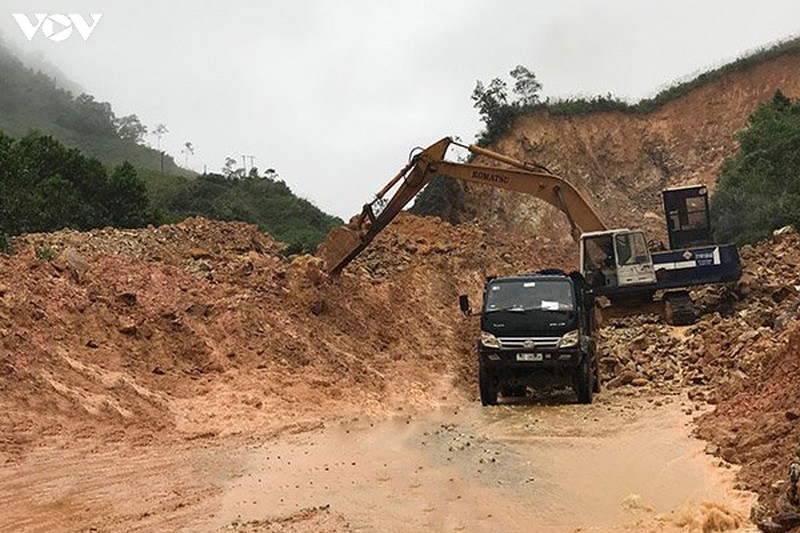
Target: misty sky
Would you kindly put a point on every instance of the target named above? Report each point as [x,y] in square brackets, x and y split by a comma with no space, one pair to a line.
[334,94]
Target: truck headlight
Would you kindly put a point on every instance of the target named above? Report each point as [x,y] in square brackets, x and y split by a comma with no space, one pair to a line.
[569,340]
[489,340]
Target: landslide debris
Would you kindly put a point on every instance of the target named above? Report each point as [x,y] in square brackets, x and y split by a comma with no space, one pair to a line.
[203,329]
[742,356]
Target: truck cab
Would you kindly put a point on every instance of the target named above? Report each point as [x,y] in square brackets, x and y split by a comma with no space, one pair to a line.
[536,331]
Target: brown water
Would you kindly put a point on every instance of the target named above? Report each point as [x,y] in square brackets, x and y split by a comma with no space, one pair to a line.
[621,464]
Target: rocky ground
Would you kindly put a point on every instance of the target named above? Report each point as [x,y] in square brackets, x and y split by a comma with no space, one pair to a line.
[203,330]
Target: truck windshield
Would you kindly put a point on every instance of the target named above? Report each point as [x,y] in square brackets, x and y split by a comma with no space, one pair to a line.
[525,295]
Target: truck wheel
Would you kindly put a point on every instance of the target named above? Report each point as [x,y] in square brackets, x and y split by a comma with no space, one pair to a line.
[584,380]
[517,391]
[488,386]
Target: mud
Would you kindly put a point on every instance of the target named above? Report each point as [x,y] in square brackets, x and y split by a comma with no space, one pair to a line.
[622,464]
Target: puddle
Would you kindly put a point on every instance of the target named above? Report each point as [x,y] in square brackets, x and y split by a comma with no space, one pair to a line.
[626,465]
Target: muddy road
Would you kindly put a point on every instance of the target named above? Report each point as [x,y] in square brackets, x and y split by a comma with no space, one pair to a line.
[624,463]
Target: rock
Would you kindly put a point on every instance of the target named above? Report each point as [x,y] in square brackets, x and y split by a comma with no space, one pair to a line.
[318,307]
[127,326]
[780,235]
[199,309]
[127,298]
[76,264]
[199,253]
[781,293]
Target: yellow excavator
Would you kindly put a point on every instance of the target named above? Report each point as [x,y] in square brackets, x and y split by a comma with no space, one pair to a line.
[617,263]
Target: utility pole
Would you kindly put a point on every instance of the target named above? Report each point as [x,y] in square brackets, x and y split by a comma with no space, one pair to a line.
[244,162]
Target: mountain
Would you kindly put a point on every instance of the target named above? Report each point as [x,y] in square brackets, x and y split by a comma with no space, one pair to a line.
[33,100]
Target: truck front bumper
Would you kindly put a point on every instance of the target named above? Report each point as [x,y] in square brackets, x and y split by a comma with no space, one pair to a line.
[530,360]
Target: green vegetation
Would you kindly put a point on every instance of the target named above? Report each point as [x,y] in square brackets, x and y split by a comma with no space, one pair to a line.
[31,100]
[45,254]
[263,200]
[45,186]
[498,113]
[5,245]
[759,188]
[442,197]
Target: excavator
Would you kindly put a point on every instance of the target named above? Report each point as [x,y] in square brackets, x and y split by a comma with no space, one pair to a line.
[617,263]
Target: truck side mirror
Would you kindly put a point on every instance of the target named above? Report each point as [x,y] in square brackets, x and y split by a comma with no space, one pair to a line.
[463,303]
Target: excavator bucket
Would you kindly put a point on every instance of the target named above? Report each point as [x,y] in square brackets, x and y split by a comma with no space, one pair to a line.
[337,247]
[344,243]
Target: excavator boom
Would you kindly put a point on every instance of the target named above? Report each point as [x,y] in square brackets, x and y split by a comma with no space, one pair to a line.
[344,243]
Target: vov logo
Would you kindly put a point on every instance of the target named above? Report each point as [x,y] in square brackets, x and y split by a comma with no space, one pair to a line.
[56,27]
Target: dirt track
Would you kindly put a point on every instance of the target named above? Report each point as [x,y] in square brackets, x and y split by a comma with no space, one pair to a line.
[146,376]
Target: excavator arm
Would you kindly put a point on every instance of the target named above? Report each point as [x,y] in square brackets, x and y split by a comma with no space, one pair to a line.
[344,243]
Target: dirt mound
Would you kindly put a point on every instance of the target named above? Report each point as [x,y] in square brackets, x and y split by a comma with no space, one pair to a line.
[201,329]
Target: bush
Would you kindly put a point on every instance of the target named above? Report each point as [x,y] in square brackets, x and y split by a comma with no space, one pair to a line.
[759,188]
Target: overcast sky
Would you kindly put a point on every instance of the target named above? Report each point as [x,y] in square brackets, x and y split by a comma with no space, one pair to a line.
[334,94]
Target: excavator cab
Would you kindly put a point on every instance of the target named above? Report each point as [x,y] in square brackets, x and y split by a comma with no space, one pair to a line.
[616,259]
[688,219]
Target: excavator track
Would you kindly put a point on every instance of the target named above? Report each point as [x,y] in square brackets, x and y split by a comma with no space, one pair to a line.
[679,309]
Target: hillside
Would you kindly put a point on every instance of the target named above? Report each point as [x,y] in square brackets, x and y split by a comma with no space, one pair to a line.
[31,100]
[622,159]
[33,109]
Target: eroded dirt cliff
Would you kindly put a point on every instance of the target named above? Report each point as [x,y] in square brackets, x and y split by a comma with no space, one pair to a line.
[622,160]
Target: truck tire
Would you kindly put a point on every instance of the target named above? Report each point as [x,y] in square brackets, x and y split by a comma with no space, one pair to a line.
[517,391]
[584,380]
[488,385]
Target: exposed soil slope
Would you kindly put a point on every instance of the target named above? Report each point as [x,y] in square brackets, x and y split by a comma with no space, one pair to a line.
[622,160]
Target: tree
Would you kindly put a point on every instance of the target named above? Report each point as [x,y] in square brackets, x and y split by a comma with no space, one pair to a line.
[489,100]
[130,128]
[494,107]
[86,115]
[759,187]
[127,202]
[45,186]
[526,86]
[188,149]
[159,131]
[230,170]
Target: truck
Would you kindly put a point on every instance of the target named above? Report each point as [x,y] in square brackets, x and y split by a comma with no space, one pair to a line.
[536,330]
[616,263]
